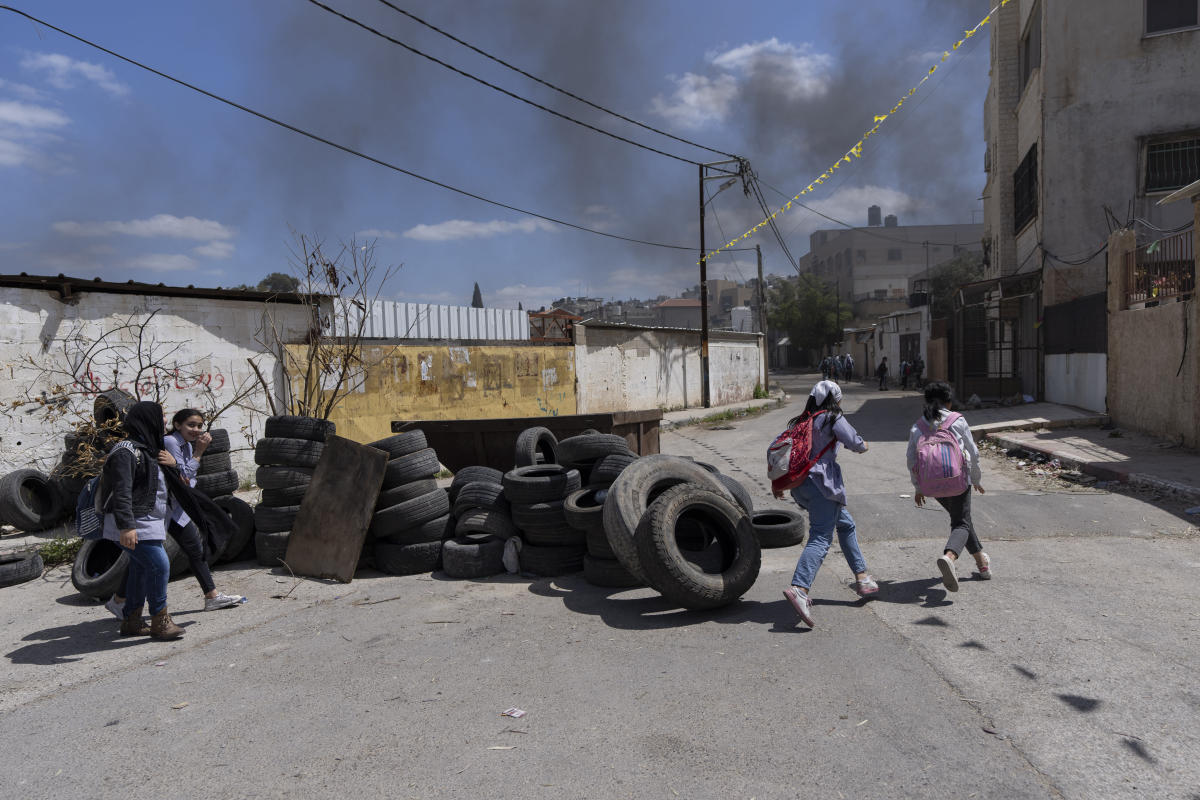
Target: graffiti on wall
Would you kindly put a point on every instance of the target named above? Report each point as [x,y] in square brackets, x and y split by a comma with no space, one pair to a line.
[90,383]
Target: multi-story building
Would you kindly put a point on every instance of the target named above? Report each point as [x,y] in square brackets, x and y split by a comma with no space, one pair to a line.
[1091,117]
[679,312]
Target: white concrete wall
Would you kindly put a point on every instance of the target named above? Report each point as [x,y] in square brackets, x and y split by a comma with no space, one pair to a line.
[208,339]
[1077,379]
[630,368]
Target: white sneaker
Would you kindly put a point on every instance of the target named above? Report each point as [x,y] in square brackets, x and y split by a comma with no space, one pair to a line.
[801,604]
[222,601]
[114,608]
[984,569]
[949,578]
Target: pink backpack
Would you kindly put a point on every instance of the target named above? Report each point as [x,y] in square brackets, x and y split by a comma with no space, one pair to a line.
[941,470]
[789,458]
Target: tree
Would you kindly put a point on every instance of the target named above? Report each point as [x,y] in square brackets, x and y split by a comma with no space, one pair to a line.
[519,306]
[807,309]
[945,278]
[477,298]
[279,283]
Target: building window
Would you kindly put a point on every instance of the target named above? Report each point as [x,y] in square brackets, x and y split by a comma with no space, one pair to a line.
[894,254]
[1173,164]
[1170,15]
[1029,56]
[1025,190]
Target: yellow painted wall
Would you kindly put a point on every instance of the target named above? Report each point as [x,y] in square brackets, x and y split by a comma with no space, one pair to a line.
[457,382]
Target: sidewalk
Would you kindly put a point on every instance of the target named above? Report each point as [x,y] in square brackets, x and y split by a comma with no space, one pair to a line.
[690,416]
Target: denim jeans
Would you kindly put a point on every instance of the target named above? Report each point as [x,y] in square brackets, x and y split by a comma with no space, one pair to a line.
[824,515]
[149,569]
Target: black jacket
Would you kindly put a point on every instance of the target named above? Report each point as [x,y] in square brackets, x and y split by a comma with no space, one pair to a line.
[129,484]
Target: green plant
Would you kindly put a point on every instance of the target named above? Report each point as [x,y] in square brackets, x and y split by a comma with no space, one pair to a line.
[60,551]
[444,473]
[760,393]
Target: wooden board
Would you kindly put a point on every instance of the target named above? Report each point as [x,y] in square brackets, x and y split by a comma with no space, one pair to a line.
[328,534]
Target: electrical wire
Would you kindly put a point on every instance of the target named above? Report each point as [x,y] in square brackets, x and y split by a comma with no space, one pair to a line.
[762,204]
[503,91]
[549,85]
[721,230]
[342,147]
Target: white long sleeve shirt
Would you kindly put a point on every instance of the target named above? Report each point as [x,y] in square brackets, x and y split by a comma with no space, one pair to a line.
[966,442]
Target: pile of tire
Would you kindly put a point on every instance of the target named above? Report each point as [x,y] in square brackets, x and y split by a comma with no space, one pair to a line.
[286,456]
[481,522]
[412,514]
[217,478]
[676,526]
[31,501]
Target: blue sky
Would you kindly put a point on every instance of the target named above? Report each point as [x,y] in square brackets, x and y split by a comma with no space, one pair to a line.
[113,172]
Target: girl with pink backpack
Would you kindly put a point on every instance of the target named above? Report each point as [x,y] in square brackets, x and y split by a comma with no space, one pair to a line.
[943,463]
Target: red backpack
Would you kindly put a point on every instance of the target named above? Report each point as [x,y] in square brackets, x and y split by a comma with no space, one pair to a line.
[789,458]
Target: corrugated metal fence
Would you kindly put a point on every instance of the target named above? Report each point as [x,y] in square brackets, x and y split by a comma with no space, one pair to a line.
[386,319]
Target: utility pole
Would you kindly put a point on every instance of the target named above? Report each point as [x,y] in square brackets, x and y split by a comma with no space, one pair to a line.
[837,314]
[762,317]
[730,178]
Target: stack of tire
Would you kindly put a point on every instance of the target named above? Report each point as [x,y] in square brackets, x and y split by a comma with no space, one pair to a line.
[217,478]
[482,524]
[584,510]
[676,526]
[31,501]
[412,514]
[286,456]
[538,493]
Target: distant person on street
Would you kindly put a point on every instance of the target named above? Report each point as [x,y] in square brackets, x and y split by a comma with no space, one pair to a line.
[919,371]
[905,370]
[823,495]
[881,372]
[937,417]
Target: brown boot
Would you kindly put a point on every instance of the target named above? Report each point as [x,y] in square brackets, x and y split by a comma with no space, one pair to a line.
[163,627]
[134,625]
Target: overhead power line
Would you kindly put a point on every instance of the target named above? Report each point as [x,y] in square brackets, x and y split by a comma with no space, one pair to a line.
[342,147]
[550,85]
[503,91]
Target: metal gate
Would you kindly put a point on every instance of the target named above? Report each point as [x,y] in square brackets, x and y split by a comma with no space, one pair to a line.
[998,338]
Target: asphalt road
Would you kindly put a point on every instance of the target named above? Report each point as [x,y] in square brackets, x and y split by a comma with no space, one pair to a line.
[1072,674]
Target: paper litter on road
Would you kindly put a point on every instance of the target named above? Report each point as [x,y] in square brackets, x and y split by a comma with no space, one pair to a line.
[514,712]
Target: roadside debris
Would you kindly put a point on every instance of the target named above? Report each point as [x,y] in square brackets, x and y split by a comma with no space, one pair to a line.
[514,712]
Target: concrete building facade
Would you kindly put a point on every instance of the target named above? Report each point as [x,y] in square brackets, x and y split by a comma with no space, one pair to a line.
[1091,117]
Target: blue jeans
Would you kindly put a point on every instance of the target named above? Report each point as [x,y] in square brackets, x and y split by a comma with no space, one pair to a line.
[824,515]
[149,569]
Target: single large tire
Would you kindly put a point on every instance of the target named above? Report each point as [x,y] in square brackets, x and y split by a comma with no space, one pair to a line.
[19,568]
[217,484]
[271,548]
[409,514]
[407,559]
[486,496]
[291,496]
[288,452]
[470,557]
[737,490]
[110,407]
[684,579]
[609,468]
[540,483]
[779,527]
[492,523]
[584,510]
[274,519]
[29,501]
[287,426]
[435,530]
[100,569]
[217,462]
[544,524]
[589,448]
[219,443]
[282,477]
[409,468]
[473,475]
[550,561]
[607,572]
[243,517]
[535,442]
[639,484]
[402,444]
[405,491]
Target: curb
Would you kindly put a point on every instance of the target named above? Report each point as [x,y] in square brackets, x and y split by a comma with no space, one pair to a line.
[986,429]
[1104,473]
[701,414]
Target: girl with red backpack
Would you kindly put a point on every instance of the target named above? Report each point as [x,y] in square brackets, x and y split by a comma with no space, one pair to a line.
[823,495]
[943,463]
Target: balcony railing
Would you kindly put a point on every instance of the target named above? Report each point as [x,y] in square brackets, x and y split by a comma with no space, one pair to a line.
[1164,270]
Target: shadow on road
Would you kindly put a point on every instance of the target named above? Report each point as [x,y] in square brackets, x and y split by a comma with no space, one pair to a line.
[68,643]
[927,592]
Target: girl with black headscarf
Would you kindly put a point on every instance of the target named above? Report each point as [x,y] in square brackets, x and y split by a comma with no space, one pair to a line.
[138,504]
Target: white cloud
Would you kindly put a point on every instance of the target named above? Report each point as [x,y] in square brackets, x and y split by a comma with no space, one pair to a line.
[375,233]
[62,71]
[15,155]
[528,296]
[20,90]
[30,117]
[793,71]
[455,229]
[163,262]
[214,250]
[159,225]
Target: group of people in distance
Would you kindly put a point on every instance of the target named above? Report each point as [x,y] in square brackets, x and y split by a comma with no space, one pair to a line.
[837,367]
[146,489]
[910,371]
[823,493]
